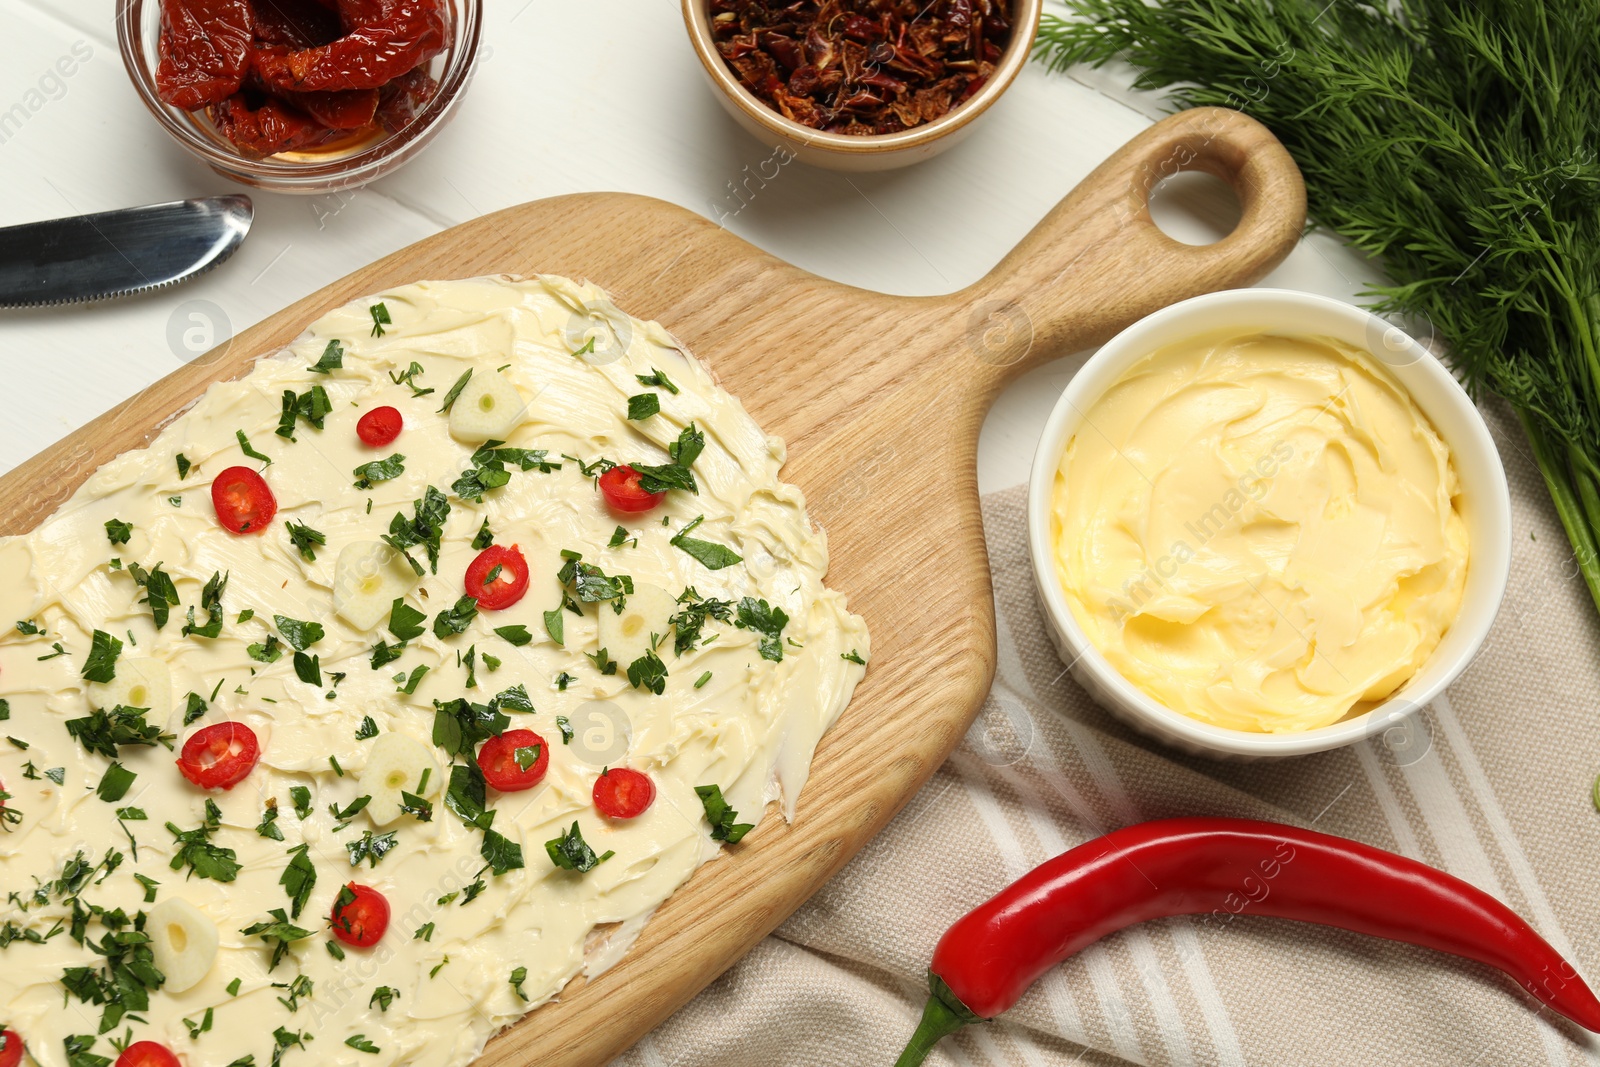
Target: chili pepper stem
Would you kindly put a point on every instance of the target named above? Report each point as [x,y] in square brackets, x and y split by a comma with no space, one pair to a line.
[938,1022]
[943,1016]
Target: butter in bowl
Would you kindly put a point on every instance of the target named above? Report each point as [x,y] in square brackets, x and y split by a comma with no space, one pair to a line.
[1266,523]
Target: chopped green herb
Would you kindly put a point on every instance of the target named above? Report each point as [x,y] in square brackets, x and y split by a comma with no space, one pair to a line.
[359,1042]
[196,851]
[371,848]
[689,623]
[115,783]
[57,654]
[767,621]
[409,379]
[58,775]
[211,601]
[278,932]
[332,359]
[380,470]
[300,635]
[301,796]
[519,976]
[308,668]
[643,406]
[603,662]
[563,680]
[150,885]
[456,619]
[233,987]
[455,390]
[312,405]
[106,732]
[657,379]
[334,950]
[571,852]
[704,678]
[202,1027]
[564,724]
[380,318]
[515,635]
[159,592]
[305,540]
[267,652]
[417,672]
[268,826]
[118,532]
[853,656]
[425,528]
[383,996]
[244,446]
[184,466]
[424,933]
[368,728]
[485,537]
[711,555]
[721,816]
[333,761]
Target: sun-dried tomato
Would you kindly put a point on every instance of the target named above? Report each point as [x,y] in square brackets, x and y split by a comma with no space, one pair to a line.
[862,66]
[269,127]
[349,109]
[401,100]
[295,23]
[383,39]
[204,51]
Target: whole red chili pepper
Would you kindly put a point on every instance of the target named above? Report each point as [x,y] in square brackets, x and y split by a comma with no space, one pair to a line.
[1224,867]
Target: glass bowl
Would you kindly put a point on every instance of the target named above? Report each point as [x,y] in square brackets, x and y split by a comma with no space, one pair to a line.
[325,170]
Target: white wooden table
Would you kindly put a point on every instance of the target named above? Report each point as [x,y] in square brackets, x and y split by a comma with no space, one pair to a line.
[569,96]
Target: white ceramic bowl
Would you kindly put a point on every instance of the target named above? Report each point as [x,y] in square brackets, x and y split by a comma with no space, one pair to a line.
[1485,505]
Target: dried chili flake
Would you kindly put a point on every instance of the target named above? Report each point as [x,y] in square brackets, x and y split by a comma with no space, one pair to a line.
[861,67]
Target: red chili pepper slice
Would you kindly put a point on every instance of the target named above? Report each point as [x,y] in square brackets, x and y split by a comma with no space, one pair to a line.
[501,768]
[220,756]
[362,917]
[624,493]
[623,793]
[510,579]
[243,501]
[10,1048]
[383,40]
[146,1054]
[1223,868]
[205,48]
[380,426]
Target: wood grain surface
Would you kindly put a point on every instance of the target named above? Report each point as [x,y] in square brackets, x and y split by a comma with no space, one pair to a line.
[880,399]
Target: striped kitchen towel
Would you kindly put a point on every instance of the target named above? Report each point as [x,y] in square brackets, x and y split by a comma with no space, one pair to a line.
[1491,783]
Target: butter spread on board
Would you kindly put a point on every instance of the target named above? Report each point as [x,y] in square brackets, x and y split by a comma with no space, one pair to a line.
[741,706]
[1260,532]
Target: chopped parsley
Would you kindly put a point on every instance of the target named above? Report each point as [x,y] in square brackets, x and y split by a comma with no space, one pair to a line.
[383,996]
[455,391]
[267,652]
[332,359]
[106,732]
[459,725]
[312,405]
[244,446]
[456,619]
[278,932]
[305,540]
[409,379]
[648,672]
[195,708]
[159,592]
[657,379]
[515,635]
[380,470]
[643,406]
[689,623]
[368,728]
[765,620]
[114,784]
[675,475]
[485,537]
[371,847]
[721,815]
[405,621]
[118,532]
[196,851]
[589,583]
[211,601]
[301,796]
[488,468]
[380,318]
[519,976]
[853,656]
[712,556]
[424,528]
[571,852]
[359,1042]
[564,724]
[268,826]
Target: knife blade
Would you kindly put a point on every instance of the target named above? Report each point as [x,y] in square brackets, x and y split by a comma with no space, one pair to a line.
[117,253]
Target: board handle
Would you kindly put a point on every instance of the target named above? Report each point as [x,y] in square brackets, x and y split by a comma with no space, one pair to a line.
[1098,262]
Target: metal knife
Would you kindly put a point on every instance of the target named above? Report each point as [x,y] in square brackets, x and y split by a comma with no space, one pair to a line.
[116,253]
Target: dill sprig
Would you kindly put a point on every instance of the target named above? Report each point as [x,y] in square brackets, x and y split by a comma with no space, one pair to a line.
[1457,142]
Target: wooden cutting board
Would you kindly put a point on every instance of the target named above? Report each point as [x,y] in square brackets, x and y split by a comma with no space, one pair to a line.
[880,399]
